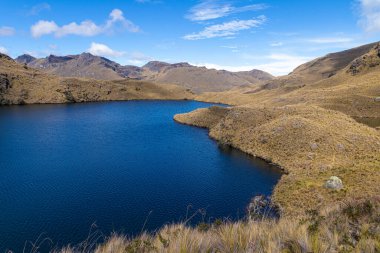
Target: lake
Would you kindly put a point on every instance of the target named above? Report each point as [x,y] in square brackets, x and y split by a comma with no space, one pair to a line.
[68,169]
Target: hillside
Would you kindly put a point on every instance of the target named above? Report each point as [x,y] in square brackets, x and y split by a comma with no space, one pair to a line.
[20,84]
[307,130]
[353,89]
[318,69]
[198,79]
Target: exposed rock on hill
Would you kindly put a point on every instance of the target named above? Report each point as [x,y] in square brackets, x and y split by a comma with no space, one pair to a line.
[366,61]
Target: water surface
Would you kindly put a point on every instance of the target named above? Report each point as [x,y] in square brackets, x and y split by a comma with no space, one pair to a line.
[118,165]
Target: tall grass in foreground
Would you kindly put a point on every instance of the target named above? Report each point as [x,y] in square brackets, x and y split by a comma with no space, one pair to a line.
[348,227]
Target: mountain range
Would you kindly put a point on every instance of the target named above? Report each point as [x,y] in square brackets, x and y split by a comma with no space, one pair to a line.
[20,84]
[198,79]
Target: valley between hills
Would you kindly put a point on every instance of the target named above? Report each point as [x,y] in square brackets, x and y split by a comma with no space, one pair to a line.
[302,122]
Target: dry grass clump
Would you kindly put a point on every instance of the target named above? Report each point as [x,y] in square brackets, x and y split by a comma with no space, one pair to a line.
[351,226]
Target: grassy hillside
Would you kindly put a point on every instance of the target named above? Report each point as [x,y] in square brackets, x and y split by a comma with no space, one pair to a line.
[353,94]
[310,143]
[308,130]
[20,84]
[347,227]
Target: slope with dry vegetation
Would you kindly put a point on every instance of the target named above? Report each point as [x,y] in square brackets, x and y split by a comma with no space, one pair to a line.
[23,85]
[352,226]
[307,131]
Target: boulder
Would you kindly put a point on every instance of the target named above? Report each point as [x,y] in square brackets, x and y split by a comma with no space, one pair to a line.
[334,183]
[313,146]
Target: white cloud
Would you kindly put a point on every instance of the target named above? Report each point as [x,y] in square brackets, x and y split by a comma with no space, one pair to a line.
[148,1]
[135,58]
[7,31]
[43,27]
[282,64]
[370,15]
[138,58]
[35,10]
[330,40]
[3,50]
[278,64]
[85,28]
[230,47]
[211,9]
[276,44]
[227,29]
[103,50]
[224,67]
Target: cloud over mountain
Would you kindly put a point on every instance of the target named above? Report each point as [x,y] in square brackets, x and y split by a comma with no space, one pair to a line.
[85,28]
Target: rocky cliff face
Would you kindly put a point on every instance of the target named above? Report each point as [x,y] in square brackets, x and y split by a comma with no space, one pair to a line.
[365,62]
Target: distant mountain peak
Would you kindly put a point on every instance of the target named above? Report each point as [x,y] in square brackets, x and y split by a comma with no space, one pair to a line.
[25,59]
[156,66]
[192,77]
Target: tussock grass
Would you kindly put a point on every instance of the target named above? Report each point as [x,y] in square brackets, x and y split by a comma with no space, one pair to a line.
[350,226]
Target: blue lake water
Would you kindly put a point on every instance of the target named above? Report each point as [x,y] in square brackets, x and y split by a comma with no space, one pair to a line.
[64,168]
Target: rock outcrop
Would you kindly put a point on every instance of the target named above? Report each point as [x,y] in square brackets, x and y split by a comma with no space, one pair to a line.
[334,183]
[365,62]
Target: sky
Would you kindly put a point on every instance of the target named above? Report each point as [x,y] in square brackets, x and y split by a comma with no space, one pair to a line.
[272,35]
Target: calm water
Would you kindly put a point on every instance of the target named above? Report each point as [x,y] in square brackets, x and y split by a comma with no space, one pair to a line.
[116,165]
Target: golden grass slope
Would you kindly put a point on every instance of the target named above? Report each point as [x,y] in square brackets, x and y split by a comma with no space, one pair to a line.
[307,131]
[354,95]
[309,143]
[318,69]
[351,226]
[24,85]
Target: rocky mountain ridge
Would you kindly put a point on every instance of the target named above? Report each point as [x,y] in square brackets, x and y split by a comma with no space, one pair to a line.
[198,79]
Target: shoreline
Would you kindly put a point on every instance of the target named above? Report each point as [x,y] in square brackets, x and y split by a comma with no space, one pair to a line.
[304,175]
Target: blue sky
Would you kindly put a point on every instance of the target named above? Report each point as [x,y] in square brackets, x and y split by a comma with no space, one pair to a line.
[272,35]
